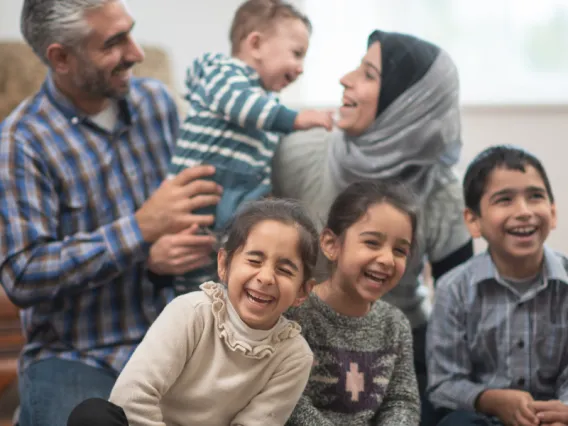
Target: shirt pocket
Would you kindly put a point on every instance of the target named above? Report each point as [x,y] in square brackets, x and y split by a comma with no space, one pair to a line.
[485,335]
[82,212]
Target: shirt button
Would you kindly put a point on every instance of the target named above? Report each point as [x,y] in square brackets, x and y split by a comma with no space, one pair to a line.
[521,381]
[521,344]
[75,120]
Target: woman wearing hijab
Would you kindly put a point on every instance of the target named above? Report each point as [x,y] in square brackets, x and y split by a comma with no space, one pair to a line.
[400,120]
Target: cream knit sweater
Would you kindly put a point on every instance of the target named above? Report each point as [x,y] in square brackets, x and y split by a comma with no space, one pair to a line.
[199,364]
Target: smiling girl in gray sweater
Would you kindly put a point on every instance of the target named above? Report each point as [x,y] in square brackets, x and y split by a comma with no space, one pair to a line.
[363,371]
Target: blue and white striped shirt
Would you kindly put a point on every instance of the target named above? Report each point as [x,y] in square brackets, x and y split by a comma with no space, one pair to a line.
[232,122]
[485,334]
[71,252]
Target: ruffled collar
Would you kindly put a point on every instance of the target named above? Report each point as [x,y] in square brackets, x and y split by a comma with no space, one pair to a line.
[238,336]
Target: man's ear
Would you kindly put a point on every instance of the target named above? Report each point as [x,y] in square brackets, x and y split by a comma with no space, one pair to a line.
[59,58]
[472,222]
[329,244]
[304,292]
[222,265]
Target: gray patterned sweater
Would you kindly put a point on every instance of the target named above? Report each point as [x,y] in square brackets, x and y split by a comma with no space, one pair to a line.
[363,372]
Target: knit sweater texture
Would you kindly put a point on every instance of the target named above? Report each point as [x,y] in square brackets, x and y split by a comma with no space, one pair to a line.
[363,372]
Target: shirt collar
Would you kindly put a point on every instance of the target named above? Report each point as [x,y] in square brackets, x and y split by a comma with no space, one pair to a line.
[75,116]
[553,267]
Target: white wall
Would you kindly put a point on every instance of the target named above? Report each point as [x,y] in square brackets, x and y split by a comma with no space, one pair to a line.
[188,28]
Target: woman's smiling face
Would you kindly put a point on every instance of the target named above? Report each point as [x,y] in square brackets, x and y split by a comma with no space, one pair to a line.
[361,93]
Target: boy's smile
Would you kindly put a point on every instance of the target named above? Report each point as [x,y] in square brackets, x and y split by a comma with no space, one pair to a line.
[516,218]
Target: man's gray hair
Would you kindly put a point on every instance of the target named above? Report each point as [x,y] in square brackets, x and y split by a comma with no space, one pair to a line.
[44,22]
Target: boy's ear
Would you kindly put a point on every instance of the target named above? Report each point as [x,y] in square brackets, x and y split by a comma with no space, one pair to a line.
[553,216]
[253,41]
[304,292]
[472,222]
[329,243]
[222,265]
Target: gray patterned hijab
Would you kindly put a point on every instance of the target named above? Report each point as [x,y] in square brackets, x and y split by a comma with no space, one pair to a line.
[416,136]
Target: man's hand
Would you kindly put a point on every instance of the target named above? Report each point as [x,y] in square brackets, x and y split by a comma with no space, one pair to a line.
[512,407]
[551,413]
[309,119]
[176,254]
[169,209]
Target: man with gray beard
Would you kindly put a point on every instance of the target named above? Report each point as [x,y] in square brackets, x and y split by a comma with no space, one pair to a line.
[87,221]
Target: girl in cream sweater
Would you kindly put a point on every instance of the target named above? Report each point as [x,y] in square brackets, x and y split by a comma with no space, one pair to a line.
[225,355]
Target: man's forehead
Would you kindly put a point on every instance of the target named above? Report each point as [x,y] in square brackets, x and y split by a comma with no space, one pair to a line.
[110,19]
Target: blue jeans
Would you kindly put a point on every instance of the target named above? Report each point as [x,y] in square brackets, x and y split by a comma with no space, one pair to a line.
[468,418]
[238,187]
[50,389]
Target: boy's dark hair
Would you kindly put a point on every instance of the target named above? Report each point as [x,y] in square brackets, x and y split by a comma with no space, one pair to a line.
[288,212]
[354,201]
[260,15]
[499,156]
